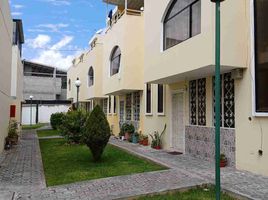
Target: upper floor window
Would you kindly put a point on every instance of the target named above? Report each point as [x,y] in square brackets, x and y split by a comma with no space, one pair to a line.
[148,99]
[90,76]
[261,59]
[115,61]
[182,21]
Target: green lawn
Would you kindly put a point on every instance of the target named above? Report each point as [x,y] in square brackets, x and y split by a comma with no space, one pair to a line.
[65,163]
[34,126]
[47,133]
[192,194]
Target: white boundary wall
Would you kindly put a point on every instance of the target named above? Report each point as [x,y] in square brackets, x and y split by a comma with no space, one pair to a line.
[44,112]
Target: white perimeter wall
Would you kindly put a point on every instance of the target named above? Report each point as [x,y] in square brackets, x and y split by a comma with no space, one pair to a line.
[44,112]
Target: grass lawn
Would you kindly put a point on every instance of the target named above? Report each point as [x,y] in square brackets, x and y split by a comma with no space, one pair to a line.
[34,126]
[65,163]
[192,194]
[46,133]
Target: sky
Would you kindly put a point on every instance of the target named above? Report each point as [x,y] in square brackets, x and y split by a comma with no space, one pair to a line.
[56,31]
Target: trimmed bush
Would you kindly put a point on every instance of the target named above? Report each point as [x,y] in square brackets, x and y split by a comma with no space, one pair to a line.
[56,120]
[96,132]
[72,125]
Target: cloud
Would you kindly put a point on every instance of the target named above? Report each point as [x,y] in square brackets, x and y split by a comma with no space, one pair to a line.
[16,13]
[54,57]
[58,2]
[18,6]
[39,42]
[53,27]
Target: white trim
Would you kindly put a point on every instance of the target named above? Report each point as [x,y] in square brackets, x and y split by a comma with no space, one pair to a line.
[146,113]
[164,100]
[252,65]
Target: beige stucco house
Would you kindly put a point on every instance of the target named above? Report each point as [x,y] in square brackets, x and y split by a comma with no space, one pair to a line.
[158,63]
[11,39]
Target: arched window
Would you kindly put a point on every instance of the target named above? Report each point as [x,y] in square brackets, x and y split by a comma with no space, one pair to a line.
[69,84]
[182,21]
[115,61]
[90,76]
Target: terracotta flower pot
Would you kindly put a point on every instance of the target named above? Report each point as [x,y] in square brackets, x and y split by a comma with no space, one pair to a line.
[127,136]
[223,163]
[157,147]
[145,142]
[140,142]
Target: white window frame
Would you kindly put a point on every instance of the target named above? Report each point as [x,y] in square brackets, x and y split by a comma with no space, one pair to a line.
[146,113]
[164,100]
[253,64]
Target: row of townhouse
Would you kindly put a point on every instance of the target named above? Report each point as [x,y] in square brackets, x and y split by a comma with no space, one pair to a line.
[154,65]
[11,70]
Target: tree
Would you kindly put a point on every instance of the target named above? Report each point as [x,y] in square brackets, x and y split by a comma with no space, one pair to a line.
[96,132]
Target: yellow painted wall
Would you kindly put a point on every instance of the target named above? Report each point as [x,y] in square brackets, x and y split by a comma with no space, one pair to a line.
[128,34]
[6,27]
[198,51]
[92,58]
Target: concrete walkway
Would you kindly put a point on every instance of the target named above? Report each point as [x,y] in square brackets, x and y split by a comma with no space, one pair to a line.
[21,176]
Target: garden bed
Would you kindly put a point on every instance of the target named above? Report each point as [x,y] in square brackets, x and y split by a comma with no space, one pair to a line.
[196,193]
[47,133]
[65,163]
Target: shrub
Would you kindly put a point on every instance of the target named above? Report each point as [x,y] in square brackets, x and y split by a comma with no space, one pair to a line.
[56,120]
[13,129]
[72,125]
[96,132]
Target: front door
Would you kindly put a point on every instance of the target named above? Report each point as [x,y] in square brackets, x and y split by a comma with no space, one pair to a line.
[178,137]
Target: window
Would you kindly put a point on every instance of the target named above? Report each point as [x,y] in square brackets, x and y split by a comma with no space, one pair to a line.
[261,59]
[90,77]
[160,99]
[104,106]
[136,104]
[197,95]
[182,21]
[110,105]
[148,98]
[128,106]
[69,84]
[227,101]
[115,61]
[114,104]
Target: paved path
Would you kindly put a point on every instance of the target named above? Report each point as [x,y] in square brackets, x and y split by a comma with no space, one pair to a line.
[21,176]
[21,168]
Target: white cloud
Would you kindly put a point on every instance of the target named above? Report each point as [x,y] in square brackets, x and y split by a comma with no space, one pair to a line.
[53,27]
[18,6]
[39,42]
[58,2]
[16,13]
[56,58]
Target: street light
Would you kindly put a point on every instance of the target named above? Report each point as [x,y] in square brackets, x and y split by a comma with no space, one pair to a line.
[77,84]
[217,97]
[31,98]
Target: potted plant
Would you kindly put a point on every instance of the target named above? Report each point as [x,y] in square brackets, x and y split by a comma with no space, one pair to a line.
[223,160]
[157,139]
[145,141]
[135,138]
[13,137]
[128,130]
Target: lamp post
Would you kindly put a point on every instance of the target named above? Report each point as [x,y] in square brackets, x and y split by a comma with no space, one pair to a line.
[31,98]
[77,84]
[217,97]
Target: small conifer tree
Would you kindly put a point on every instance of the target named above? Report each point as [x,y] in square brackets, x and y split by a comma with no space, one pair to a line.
[96,132]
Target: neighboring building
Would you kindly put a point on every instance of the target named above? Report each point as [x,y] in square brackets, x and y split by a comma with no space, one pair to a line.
[159,65]
[43,82]
[11,39]
[48,87]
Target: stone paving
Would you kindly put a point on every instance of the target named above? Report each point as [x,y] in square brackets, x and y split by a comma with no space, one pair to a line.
[21,168]
[21,176]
